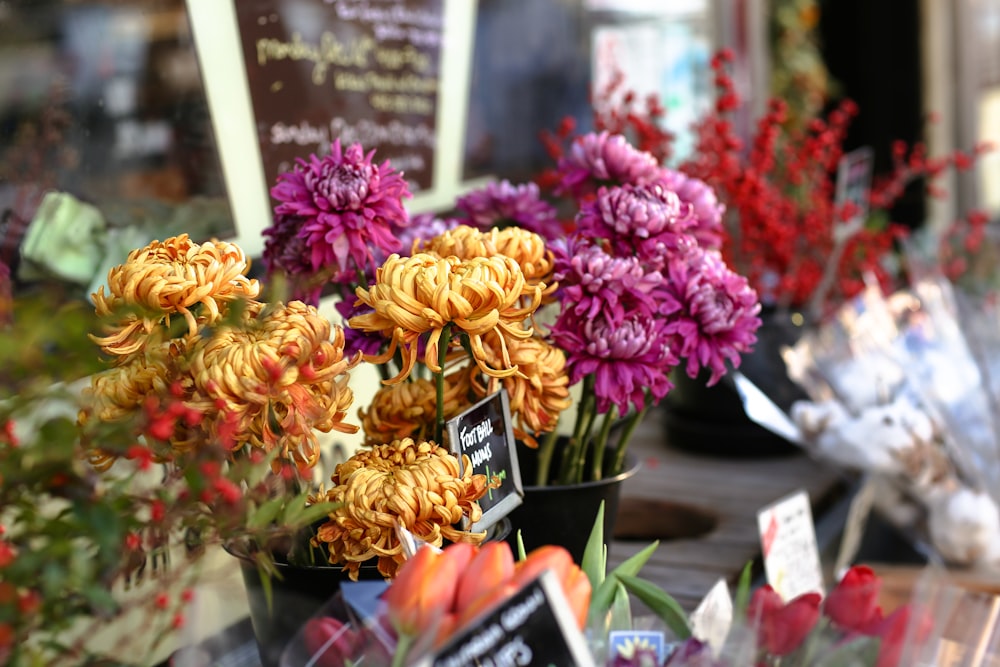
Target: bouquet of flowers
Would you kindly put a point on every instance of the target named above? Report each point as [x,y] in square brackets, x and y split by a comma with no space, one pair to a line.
[506,292]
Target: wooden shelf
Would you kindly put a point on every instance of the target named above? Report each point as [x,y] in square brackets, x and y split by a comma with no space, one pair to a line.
[728,491]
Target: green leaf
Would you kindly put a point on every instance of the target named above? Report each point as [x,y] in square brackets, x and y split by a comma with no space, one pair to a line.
[621,609]
[298,514]
[742,597]
[266,513]
[521,554]
[594,563]
[659,602]
[604,593]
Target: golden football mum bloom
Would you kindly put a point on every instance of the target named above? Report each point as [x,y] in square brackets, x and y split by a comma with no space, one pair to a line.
[539,392]
[425,293]
[278,378]
[524,247]
[171,277]
[414,484]
[408,409]
[116,394]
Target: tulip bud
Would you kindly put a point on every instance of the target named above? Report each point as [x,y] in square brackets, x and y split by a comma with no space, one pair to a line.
[422,592]
[783,627]
[493,565]
[853,604]
[575,584]
[330,642]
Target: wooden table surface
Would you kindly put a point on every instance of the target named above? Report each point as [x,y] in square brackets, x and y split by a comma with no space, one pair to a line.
[677,493]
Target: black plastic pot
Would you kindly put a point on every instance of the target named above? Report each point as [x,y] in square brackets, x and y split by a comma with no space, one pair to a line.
[564,514]
[712,421]
[297,595]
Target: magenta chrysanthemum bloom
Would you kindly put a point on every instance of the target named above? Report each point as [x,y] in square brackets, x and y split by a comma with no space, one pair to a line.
[718,318]
[424,226]
[592,281]
[604,159]
[348,206]
[706,208]
[647,220]
[504,204]
[627,357]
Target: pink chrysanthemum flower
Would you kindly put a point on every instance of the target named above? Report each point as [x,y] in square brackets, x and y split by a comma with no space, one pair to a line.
[627,357]
[718,317]
[504,204]
[347,205]
[592,281]
[648,221]
[604,159]
[705,206]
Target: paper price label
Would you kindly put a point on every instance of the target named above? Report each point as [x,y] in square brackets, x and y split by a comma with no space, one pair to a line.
[788,542]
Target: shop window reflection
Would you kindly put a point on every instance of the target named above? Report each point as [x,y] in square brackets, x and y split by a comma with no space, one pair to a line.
[105,137]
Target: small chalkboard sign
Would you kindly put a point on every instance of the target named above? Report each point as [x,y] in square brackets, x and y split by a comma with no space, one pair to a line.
[484,434]
[535,626]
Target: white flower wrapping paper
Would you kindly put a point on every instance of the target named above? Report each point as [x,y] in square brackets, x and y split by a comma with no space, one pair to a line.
[907,387]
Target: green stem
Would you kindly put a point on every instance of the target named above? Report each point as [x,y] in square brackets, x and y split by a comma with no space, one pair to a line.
[545,451]
[403,645]
[597,464]
[630,424]
[567,471]
[439,378]
[586,441]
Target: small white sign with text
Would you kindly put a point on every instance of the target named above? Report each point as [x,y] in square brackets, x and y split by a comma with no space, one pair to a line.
[788,542]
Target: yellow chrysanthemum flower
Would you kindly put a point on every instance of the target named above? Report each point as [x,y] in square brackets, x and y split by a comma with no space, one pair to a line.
[414,484]
[524,247]
[538,393]
[424,293]
[409,409]
[278,380]
[171,277]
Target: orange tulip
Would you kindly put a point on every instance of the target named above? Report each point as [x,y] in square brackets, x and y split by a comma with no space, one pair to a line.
[493,565]
[488,598]
[422,592]
[575,584]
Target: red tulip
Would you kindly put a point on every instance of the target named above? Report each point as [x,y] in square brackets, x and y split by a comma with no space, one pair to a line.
[330,642]
[493,565]
[783,627]
[423,591]
[853,604]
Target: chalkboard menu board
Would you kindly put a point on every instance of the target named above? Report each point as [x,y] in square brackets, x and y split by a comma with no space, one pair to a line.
[359,70]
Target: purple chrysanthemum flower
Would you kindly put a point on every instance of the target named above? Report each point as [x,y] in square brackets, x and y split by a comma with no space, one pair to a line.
[718,317]
[627,358]
[504,204]
[285,252]
[592,281]
[646,220]
[705,206]
[596,160]
[348,206]
[355,341]
[424,226]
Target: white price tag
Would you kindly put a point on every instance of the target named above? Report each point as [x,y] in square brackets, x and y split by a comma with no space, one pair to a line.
[788,541]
